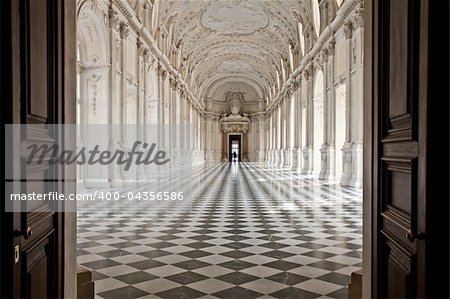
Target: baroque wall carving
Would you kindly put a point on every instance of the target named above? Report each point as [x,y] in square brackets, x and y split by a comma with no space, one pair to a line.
[235,17]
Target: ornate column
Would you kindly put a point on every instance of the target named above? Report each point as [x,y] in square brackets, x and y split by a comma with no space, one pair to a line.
[171,126]
[189,133]
[182,128]
[176,126]
[202,137]
[331,92]
[274,135]
[195,128]
[166,108]
[151,107]
[115,137]
[279,137]
[140,107]
[323,59]
[357,109]
[124,33]
[269,126]
[208,140]
[296,149]
[310,122]
[287,133]
[162,74]
[307,148]
[253,133]
[347,148]
[262,138]
[282,130]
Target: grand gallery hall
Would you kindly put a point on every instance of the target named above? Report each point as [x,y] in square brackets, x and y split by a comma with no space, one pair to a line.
[246,148]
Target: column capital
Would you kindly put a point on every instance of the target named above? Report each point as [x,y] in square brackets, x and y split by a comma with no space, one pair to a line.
[173,82]
[180,89]
[308,72]
[331,46]
[140,47]
[358,20]
[124,30]
[298,81]
[146,55]
[306,75]
[295,85]
[162,72]
[348,29]
[323,56]
[114,20]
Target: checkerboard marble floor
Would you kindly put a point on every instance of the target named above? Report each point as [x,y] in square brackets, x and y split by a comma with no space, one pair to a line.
[250,231]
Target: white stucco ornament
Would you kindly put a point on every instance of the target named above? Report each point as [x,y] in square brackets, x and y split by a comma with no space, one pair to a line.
[235,122]
[235,16]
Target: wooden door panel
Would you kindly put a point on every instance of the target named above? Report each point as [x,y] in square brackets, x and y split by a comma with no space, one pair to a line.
[36,227]
[399,183]
[38,56]
[399,268]
[37,88]
[37,281]
[398,58]
[397,169]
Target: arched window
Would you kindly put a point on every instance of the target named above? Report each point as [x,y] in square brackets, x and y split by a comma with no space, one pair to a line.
[316,16]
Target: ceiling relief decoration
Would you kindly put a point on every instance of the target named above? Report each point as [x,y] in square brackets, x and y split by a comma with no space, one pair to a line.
[233,40]
[235,17]
[235,66]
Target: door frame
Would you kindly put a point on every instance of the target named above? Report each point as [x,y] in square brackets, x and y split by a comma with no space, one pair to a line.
[368,131]
[229,145]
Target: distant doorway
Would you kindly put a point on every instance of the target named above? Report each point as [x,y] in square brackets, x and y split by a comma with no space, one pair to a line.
[234,146]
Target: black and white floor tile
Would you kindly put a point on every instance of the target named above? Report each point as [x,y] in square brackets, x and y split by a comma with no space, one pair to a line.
[250,231]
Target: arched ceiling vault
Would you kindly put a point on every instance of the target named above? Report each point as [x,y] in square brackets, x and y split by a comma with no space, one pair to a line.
[224,40]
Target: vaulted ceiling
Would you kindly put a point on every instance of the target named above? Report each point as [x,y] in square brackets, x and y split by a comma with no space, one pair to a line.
[235,40]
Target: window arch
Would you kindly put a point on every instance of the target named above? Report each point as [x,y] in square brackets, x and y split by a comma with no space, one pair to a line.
[301,38]
[316,16]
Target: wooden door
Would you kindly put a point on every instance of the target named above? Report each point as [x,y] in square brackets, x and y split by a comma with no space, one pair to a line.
[33,85]
[409,139]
